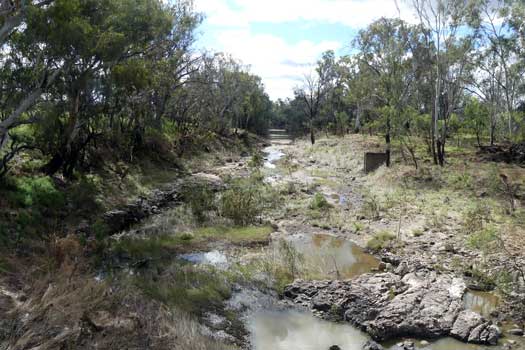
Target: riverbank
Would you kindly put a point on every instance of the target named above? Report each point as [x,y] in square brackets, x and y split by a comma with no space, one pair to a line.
[205,259]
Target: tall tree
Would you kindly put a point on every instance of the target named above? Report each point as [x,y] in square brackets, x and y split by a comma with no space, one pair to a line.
[444,20]
[17,97]
[385,51]
[315,88]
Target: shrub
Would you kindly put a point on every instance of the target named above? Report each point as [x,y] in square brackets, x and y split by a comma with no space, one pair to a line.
[83,195]
[371,206]
[201,200]
[475,217]
[291,257]
[39,207]
[358,227]
[417,233]
[319,202]
[245,200]
[485,239]
[380,241]
[39,191]
[257,161]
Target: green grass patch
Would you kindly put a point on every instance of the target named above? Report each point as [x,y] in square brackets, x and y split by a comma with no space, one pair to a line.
[418,232]
[165,245]
[321,173]
[234,234]
[151,247]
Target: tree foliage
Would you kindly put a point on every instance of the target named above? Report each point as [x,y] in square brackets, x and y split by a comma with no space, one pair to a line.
[460,70]
[92,76]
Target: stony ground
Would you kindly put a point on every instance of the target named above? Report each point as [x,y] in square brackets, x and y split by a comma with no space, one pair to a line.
[454,221]
[430,211]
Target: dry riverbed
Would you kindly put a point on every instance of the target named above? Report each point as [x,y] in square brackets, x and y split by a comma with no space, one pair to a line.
[362,250]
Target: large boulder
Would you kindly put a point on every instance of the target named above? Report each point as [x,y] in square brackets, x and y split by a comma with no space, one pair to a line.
[388,306]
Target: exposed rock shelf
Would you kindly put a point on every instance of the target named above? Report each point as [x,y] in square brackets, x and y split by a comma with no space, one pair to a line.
[420,304]
[123,218]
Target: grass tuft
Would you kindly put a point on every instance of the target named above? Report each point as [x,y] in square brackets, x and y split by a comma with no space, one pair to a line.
[380,240]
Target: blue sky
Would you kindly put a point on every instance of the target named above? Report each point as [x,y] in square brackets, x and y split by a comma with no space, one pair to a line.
[281,39]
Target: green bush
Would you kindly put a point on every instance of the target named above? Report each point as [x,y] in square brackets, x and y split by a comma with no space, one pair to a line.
[245,200]
[485,239]
[371,206]
[475,217]
[39,191]
[38,205]
[319,202]
[417,233]
[201,200]
[83,195]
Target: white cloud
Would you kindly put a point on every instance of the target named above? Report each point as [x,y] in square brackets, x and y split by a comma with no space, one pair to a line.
[352,13]
[279,63]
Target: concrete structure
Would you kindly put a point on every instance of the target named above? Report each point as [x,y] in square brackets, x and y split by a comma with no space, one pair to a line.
[374,161]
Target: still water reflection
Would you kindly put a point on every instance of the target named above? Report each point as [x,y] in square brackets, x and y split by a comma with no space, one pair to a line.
[326,256]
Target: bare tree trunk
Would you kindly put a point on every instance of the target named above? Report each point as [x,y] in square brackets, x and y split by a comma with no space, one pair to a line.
[357,126]
[435,117]
[387,139]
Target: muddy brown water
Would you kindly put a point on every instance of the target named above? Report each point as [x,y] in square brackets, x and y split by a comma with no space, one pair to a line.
[293,330]
[330,257]
[484,303]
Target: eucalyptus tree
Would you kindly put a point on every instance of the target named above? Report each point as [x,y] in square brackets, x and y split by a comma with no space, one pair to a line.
[336,108]
[385,53]
[23,79]
[477,117]
[500,45]
[359,89]
[86,39]
[446,23]
[483,83]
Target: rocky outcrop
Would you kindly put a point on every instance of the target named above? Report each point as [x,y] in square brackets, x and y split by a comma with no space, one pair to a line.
[470,327]
[387,306]
[120,219]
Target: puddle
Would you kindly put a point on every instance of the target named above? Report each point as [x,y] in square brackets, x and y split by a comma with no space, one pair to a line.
[333,257]
[287,330]
[481,302]
[213,258]
[273,155]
